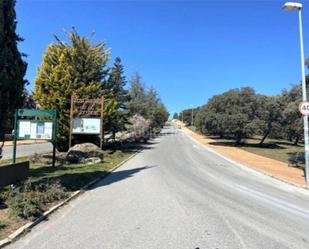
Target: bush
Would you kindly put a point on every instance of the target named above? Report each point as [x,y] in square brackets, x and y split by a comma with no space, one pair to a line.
[29,199]
[297,159]
[2,224]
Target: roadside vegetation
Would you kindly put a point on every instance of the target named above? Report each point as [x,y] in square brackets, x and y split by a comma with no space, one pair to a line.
[271,126]
[71,65]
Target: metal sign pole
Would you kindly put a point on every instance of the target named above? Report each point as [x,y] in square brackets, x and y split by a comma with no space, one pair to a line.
[15,134]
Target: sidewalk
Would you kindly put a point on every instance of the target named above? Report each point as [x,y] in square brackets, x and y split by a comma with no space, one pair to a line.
[271,167]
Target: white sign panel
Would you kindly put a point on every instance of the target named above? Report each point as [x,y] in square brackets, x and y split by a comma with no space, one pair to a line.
[86,126]
[304,108]
[32,129]
[24,128]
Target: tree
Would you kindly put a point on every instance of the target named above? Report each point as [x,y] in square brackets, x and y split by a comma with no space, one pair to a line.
[12,68]
[139,127]
[175,116]
[138,99]
[74,68]
[269,115]
[186,115]
[231,114]
[160,116]
[146,103]
[29,102]
[115,86]
[292,122]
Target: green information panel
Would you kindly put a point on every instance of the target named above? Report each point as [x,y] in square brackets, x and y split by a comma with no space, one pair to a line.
[35,129]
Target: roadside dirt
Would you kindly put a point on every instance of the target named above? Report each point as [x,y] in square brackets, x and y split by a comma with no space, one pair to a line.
[274,168]
[11,223]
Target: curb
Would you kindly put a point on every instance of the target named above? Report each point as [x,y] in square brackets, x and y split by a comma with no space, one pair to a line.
[26,228]
[10,144]
[246,167]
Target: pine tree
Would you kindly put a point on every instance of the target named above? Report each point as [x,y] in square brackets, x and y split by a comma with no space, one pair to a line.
[115,86]
[146,103]
[77,68]
[12,68]
[137,92]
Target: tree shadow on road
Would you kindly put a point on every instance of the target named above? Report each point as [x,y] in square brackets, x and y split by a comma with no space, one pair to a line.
[77,180]
[117,176]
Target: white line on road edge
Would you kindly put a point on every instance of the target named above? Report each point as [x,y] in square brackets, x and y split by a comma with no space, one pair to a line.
[265,175]
[26,228]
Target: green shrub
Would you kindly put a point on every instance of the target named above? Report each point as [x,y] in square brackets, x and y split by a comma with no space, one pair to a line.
[29,199]
[2,224]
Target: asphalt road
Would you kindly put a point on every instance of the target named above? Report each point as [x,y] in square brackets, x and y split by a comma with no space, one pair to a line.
[177,194]
[26,150]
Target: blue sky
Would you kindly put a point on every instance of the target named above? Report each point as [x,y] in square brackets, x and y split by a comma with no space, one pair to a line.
[187,50]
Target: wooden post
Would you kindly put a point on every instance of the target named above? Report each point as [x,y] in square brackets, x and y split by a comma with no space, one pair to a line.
[54,139]
[101,128]
[71,120]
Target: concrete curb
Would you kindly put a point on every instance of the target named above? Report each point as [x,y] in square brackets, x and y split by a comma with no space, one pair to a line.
[10,143]
[246,167]
[26,228]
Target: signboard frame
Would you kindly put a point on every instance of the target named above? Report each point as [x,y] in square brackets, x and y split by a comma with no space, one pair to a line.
[87,108]
[51,115]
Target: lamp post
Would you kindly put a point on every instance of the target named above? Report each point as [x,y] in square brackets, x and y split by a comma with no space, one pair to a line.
[192,115]
[291,6]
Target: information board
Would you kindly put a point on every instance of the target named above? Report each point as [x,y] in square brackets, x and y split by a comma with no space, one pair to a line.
[86,126]
[34,129]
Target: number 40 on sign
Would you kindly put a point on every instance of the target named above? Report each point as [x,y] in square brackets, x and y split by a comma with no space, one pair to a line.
[304,108]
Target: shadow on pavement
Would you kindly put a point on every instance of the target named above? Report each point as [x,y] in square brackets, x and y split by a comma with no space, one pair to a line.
[117,176]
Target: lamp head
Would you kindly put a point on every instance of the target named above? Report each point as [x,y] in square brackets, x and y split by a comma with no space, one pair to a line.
[292,6]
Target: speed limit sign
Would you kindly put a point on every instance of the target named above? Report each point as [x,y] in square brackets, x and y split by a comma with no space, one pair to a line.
[304,108]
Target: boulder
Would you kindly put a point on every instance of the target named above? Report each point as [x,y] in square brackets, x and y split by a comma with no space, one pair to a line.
[80,152]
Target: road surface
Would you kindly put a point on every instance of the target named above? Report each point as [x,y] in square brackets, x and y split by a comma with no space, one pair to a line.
[177,194]
[26,150]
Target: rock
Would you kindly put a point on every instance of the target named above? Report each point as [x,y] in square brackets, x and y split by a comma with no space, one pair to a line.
[80,152]
[92,160]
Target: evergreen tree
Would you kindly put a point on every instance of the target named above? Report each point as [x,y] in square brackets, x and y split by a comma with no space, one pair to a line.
[77,68]
[29,102]
[115,86]
[137,92]
[12,68]
[146,103]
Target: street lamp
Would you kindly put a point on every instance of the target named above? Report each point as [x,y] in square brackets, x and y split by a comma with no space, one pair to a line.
[191,115]
[291,6]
